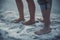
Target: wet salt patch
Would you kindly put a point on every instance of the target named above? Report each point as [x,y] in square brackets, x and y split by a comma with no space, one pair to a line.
[14,30]
[3,26]
[9,15]
[9,12]
[13,25]
[54,33]
[4,33]
[50,35]
[46,36]
[23,34]
[15,35]
[11,33]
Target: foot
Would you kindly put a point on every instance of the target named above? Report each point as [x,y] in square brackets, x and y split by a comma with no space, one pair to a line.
[29,22]
[43,31]
[18,20]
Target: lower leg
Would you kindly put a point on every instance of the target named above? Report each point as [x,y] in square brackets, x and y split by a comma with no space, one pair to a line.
[20,9]
[31,7]
[46,19]
[46,14]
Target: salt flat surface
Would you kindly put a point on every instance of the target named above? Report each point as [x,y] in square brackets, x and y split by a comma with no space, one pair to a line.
[18,31]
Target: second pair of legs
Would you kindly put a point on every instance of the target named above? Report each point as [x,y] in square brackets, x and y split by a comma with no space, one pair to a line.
[31,7]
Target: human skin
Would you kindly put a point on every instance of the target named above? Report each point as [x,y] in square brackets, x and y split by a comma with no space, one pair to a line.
[31,7]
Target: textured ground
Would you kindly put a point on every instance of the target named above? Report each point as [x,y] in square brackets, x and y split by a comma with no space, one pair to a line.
[18,31]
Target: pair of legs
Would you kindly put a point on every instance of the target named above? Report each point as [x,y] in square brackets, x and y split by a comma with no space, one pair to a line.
[31,7]
[46,9]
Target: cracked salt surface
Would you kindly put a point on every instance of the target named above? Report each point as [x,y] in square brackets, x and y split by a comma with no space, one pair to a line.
[18,31]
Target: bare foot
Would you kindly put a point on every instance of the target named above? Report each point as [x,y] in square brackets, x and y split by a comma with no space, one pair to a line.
[18,20]
[43,31]
[29,22]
